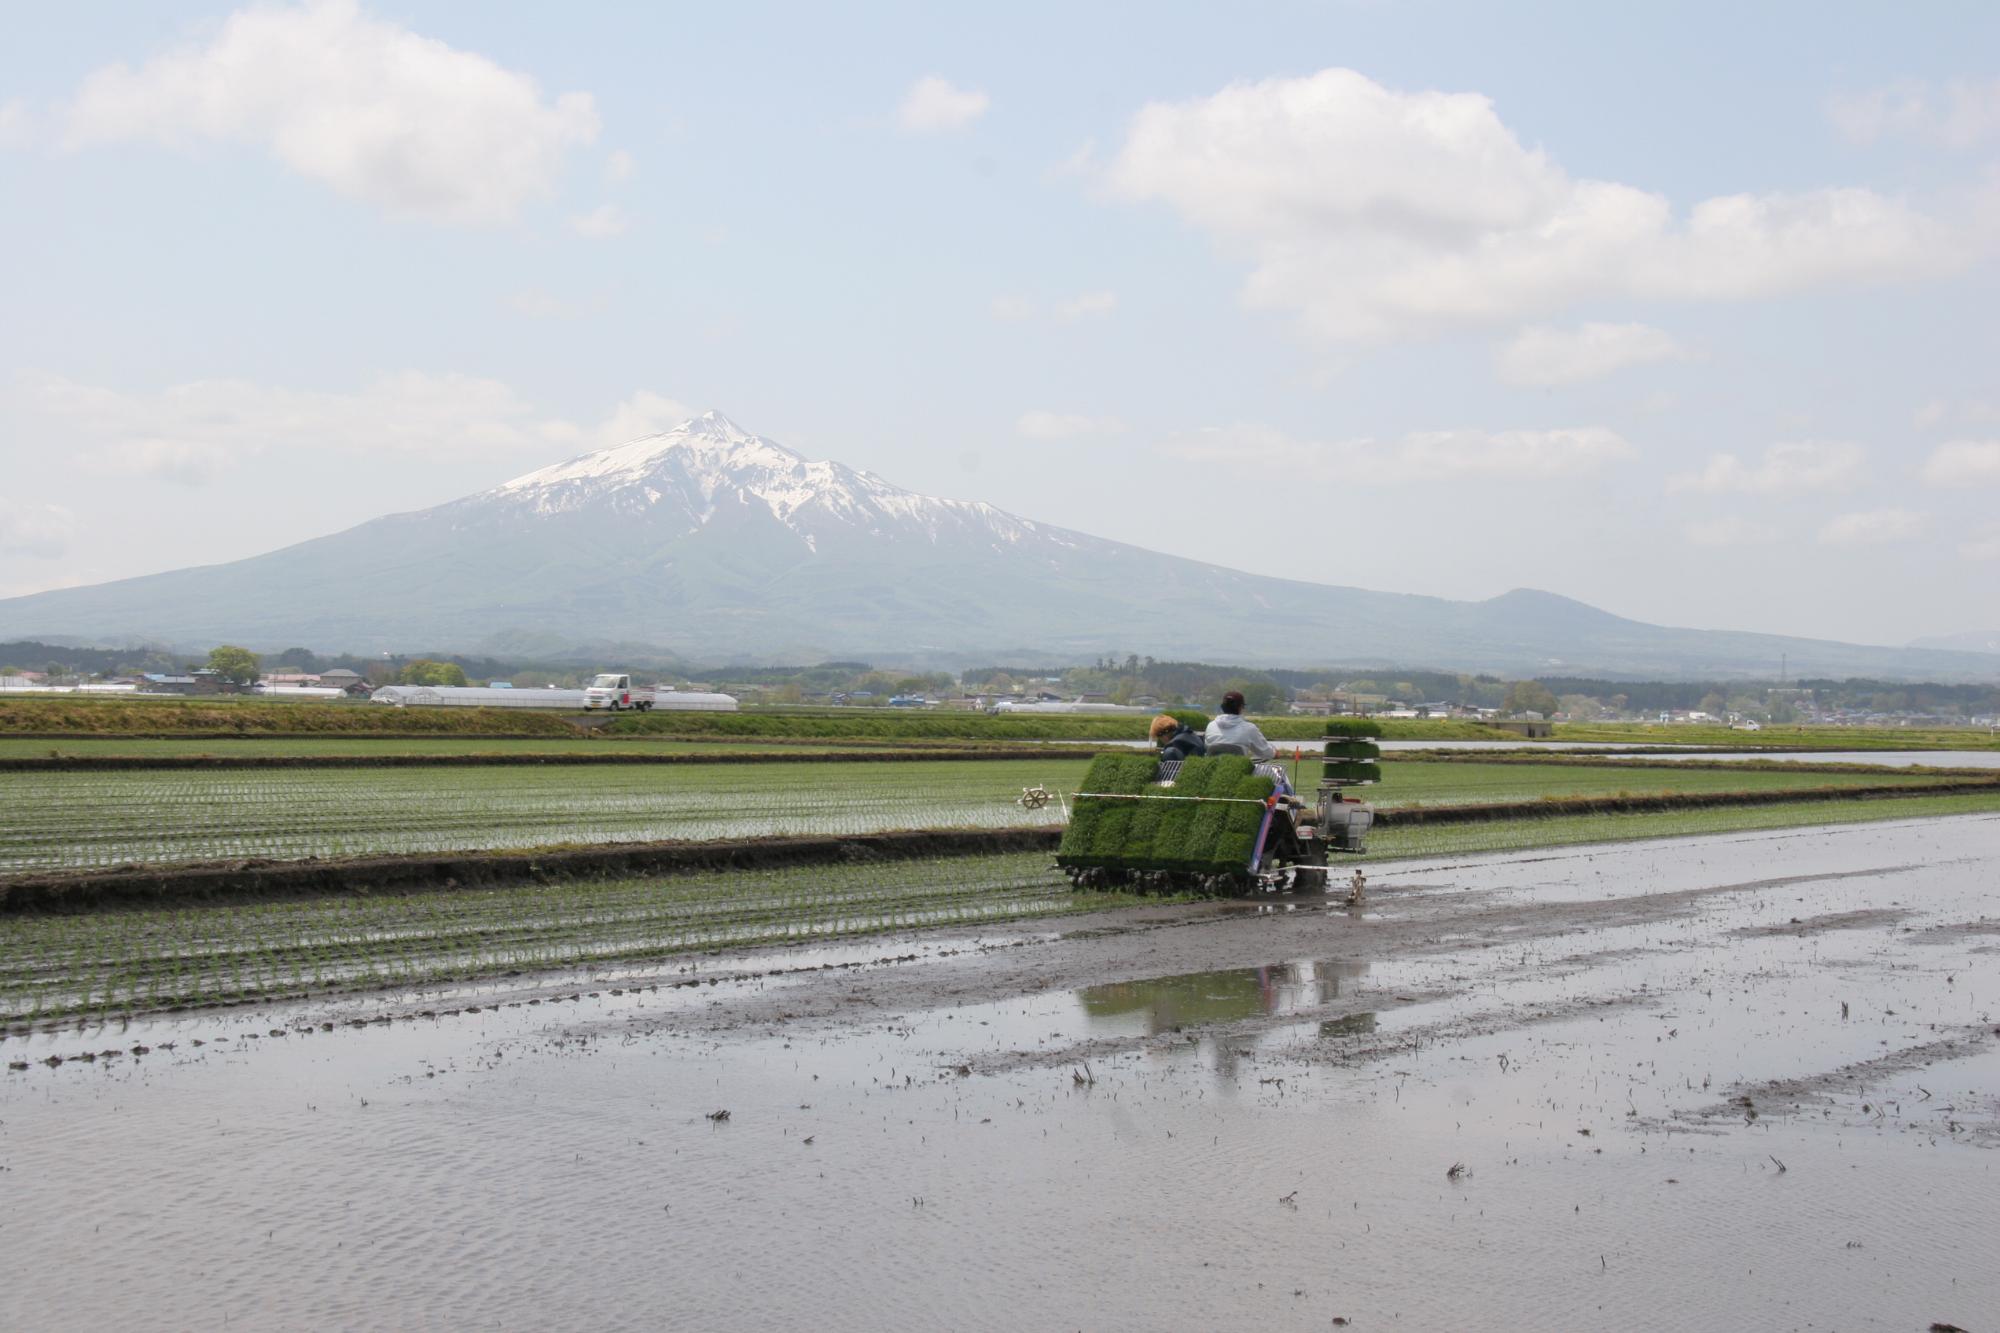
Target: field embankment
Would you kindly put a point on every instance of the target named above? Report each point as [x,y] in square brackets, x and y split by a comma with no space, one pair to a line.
[601,757]
[911,724]
[57,717]
[1780,737]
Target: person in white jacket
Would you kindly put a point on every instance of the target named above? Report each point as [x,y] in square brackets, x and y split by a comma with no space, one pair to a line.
[1235,735]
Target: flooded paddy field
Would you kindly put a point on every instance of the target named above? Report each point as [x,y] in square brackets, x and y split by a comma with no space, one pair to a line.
[72,820]
[353,925]
[1747,1080]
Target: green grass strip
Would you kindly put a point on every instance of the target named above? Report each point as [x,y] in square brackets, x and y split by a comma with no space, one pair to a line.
[1387,844]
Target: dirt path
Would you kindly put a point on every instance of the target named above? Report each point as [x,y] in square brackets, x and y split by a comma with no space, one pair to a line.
[1749,1080]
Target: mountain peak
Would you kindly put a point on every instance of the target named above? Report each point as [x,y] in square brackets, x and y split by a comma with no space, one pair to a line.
[708,443]
[682,478]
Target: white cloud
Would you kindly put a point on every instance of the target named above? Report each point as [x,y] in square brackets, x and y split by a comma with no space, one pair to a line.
[601,223]
[1376,214]
[184,462]
[1079,163]
[1039,425]
[1984,545]
[933,106]
[15,131]
[1964,462]
[1086,305]
[1421,456]
[1970,411]
[1547,356]
[1730,531]
[1960,113]
[644,413]
[1013,309]
[619,167]
[1877,527]
[371,109]
[1787,468]
[35,529]
[188,432]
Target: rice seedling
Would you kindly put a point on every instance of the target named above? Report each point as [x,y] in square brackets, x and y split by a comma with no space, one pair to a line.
[119,963]
[92,820]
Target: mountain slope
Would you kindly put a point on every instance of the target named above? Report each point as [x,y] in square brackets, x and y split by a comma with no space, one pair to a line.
[1971,641]
[718,545]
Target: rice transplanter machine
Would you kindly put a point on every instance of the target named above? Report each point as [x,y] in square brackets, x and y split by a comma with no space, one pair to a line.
[1220,825]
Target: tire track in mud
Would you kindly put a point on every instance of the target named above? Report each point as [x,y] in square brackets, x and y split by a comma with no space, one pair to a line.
[1749,1102]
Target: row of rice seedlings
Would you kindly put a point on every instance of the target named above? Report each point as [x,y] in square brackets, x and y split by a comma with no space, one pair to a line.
[93,820]
[78,821]
[136,962]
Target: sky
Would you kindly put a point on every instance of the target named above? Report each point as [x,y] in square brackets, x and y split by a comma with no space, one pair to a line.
[1685,311]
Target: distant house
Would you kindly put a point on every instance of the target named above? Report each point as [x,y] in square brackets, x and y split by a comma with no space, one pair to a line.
[348,682]
[158,682]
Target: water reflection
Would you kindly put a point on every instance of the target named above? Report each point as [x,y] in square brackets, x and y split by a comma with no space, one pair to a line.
[1353,1025]
[1163,1004]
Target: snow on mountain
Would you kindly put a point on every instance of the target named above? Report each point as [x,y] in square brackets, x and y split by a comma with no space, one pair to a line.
[687,474]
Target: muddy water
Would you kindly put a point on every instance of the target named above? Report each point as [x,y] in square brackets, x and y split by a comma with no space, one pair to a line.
[1748,1081]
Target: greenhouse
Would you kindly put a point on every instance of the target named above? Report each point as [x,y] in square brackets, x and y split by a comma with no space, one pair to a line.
[474,696]
[1069,706]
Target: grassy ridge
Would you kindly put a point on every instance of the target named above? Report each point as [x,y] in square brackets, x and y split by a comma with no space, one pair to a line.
[959,725]
[65,716]
[72,715]
[1388,844]
[1817,738]
[347,746]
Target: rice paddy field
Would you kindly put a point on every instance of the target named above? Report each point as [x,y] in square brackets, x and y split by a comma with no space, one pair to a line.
[90,820]
[118,963]
[108,965]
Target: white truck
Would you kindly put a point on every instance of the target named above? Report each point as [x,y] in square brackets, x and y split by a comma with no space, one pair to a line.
[614,690]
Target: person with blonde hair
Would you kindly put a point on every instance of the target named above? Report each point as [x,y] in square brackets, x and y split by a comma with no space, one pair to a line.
[1176,739]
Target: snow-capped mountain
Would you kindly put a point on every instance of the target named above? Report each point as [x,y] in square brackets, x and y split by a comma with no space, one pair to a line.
[714,543]
[686,475]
